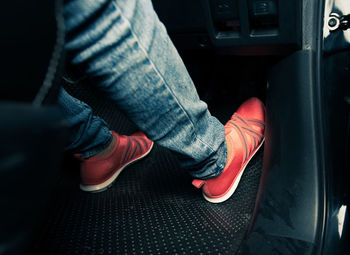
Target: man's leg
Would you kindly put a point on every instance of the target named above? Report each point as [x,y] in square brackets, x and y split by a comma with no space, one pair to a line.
[125,48]
[89,134]
[123,45]
[103,153]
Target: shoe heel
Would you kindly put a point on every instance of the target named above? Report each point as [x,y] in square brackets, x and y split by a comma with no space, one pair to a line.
[198,183]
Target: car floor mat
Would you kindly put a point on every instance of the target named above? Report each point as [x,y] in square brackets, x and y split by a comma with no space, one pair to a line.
[152,208]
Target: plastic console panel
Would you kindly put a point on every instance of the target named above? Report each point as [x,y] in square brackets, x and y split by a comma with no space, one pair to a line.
[233,24]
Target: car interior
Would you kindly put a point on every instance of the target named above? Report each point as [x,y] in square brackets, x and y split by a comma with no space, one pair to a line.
[293,197]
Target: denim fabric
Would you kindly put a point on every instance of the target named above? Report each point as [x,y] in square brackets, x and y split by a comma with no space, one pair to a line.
[126,50]
[89,134]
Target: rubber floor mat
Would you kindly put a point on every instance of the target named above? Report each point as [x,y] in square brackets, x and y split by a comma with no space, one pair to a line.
[152,208]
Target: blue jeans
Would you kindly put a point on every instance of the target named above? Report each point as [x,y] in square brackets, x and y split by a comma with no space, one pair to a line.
[125,49]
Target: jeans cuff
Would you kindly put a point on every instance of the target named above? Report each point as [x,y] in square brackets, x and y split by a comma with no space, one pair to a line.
[100,147]
[210,169]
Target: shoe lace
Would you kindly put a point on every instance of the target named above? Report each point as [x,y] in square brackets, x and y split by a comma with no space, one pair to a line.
[238,123]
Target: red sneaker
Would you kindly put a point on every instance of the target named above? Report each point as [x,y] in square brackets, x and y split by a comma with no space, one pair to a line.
[98,173]
[245,132]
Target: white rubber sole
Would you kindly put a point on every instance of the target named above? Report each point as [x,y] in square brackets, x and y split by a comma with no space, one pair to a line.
[235,184]
[105,185]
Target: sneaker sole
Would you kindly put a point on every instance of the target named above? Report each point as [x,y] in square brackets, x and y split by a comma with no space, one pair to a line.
[235,182]
[108,183]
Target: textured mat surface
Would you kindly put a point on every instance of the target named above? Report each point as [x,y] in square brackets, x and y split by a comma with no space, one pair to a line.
[152,208]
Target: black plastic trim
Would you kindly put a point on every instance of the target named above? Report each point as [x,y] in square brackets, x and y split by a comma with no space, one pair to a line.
[291,205]
[287,31]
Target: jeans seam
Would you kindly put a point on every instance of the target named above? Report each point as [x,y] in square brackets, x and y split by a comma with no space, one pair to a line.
[159,74]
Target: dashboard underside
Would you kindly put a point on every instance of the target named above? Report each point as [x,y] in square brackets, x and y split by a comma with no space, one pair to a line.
[244,27]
